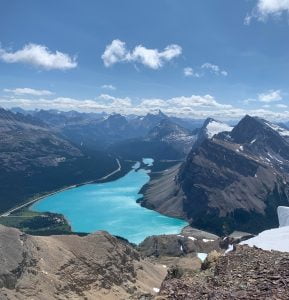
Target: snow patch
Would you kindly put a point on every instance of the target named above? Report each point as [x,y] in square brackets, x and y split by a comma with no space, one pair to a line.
[215,127]
[202,256]
[274,239]
[206,240]
[230,248]
[280,130]
[191,238]
[156,290]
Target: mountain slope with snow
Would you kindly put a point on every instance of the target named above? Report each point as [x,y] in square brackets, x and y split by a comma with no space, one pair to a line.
[232,181]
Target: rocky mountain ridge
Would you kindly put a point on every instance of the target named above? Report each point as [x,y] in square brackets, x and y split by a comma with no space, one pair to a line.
[234,180]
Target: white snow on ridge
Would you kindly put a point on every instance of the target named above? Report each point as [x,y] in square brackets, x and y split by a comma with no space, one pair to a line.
[215,127]
[274,239]
[206,240]
[280,130]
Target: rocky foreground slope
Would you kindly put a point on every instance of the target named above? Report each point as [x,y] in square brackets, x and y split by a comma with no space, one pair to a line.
[246,273]
[98,266]
[101,266]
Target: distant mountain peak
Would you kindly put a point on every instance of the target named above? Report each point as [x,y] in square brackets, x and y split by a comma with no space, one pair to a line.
[250,128]
[161,114]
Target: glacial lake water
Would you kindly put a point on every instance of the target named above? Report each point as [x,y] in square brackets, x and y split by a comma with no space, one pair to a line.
[111,206]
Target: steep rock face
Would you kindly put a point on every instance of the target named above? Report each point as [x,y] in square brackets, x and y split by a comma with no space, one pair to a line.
[234,180]
[98,266]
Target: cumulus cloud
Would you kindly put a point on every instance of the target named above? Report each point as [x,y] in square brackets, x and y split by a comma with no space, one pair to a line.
[39,56]
[152,58]
[214,69]
[28,91]
[115,52]
[108,87]
[203,69]
[266,8]
[270,96]
[188,71]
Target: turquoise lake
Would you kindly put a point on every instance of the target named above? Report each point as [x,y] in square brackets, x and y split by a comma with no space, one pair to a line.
[111,206]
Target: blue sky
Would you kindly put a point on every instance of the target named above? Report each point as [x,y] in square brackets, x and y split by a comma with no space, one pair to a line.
[190,58]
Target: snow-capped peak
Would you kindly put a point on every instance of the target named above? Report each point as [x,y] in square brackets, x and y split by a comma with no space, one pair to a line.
[214,127]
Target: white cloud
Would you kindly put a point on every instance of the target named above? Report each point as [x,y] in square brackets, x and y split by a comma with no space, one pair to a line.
[188,71]
[197,101]
[214,69]
[270,96]
[205,67]
[281,106]
[28,91]
[152,58]
[265,8]
[115,101]
[194,106]
[115,52]
[108,87]
[39,56]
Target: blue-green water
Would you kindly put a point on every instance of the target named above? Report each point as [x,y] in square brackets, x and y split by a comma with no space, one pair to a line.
[111,206]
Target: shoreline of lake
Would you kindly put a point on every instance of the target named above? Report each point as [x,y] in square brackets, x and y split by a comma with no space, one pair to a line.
[116,203]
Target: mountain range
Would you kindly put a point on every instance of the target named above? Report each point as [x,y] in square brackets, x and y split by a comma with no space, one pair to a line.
[228,177]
